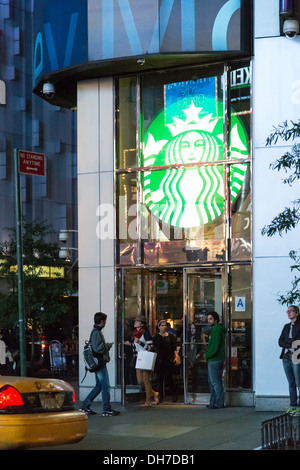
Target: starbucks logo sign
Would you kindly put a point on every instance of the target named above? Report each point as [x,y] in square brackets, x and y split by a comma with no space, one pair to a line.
[183,135]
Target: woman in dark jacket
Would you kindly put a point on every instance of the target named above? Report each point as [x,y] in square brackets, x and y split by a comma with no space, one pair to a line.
[167,356]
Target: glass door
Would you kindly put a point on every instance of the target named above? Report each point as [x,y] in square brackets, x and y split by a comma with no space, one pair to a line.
[132,295]
[203,293]
[157,294]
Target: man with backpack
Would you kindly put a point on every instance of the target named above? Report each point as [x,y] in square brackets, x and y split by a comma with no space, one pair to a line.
[101,352]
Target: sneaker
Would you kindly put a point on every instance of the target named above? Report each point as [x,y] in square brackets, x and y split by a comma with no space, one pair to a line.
[87,411]
[111,413]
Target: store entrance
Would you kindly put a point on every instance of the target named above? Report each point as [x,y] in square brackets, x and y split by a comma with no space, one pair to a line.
[182,297]
[202,290]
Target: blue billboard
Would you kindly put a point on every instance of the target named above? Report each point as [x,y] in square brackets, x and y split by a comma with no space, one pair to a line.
[60,35]
[79,37]
[120,28]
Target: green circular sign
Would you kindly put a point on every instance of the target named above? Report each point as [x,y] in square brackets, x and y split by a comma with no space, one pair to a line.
[184,134]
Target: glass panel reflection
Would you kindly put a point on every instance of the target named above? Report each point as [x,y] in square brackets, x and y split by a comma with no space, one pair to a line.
[127,219]
[241,214]
[240,350]
[184,229]
[183,201]
[204,295]
[126,150]
[240,80]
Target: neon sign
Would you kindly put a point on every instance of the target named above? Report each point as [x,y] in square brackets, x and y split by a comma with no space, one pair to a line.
[183,134]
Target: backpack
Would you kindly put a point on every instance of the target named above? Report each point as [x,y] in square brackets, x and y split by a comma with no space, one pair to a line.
[92,363]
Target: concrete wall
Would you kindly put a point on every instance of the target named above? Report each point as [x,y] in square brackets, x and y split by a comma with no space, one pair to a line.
[276,93]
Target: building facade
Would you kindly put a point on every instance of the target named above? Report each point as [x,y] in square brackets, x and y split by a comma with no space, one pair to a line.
[175,100]
[29,123]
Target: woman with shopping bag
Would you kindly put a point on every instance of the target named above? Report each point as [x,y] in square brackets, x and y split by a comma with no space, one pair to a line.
[142,341]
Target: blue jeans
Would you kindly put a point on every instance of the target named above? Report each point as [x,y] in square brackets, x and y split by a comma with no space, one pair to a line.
[102,385]
[215,372]
[292,372]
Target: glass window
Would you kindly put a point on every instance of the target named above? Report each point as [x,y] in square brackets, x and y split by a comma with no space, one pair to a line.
[188,220]
[240,174]
[127,219]
[193,202]
[240,81]
[240,212]
[240,347]
[182,117]
[126,152]
[182,131]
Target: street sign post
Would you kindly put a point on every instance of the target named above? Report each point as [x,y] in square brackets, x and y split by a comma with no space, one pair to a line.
[29,163]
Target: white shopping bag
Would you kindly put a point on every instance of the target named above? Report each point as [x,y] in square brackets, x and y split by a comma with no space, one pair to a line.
[145,360]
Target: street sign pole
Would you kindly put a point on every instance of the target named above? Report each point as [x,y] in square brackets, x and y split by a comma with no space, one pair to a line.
[20,263]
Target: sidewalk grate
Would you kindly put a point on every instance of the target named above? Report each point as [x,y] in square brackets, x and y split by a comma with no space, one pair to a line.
[281,432]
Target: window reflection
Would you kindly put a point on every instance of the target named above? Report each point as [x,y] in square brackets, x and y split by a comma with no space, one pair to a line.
[127,219]
[240,351]
[126,123]
[187,189]
[241,218]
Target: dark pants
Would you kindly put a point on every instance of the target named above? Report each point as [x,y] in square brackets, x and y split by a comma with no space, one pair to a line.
[164,375]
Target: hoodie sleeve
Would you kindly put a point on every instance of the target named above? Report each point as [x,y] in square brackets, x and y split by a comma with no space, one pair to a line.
[214,343]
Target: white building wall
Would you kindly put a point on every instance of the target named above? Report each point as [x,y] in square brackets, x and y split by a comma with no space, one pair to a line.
[276,98]
[95,192]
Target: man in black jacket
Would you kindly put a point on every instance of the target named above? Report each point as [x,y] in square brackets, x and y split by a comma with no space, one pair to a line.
[288,341]
[101,351]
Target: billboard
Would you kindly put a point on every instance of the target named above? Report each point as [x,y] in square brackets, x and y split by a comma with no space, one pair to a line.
[127,28]
[70,34]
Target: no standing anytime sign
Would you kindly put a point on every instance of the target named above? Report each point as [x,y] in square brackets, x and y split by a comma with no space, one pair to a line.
[31,163]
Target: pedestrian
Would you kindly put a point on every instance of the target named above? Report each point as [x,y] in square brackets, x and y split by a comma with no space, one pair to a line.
[2,357]
[12,351]
[215,356]
[167,358]
[141,340]
[101,351]
[289,334]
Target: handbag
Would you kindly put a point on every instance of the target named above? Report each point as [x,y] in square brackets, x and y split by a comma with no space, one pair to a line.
[145,360]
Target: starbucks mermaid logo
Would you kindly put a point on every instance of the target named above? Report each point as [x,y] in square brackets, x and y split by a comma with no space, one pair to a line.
[190,195]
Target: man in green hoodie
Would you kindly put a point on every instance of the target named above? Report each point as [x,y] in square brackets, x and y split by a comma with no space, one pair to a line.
[215,355]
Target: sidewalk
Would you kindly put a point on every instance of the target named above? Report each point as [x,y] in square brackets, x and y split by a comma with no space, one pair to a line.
[172,427]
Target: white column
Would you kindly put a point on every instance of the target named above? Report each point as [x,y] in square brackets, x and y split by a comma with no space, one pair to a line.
[95,110]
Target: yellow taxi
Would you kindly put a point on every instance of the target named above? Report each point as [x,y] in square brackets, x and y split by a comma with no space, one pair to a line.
[38,412]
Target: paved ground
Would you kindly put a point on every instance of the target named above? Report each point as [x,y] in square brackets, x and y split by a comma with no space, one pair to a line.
[169,427]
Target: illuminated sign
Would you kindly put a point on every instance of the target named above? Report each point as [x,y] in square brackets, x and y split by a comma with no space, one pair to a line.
[41,271]
[182,135]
